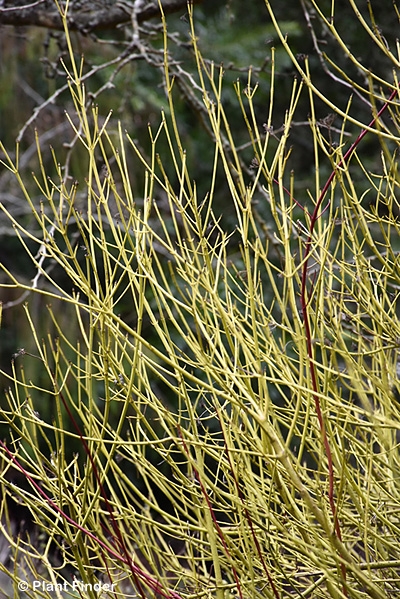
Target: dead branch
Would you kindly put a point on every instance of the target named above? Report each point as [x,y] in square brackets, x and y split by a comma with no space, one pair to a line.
[85,16]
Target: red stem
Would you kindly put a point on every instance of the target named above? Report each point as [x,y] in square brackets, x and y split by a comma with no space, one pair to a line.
[117,531]
[246,511]
[214,519]
[137,572]
[306,320]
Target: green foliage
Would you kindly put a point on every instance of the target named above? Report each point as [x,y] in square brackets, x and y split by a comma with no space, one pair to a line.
[232,388]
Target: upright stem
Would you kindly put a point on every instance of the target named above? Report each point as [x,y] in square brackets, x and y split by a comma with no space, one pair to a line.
[304,299]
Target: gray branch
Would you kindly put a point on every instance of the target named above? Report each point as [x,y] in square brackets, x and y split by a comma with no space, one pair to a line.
[84,15]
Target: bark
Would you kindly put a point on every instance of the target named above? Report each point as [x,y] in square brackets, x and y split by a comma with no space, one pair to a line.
[84,15]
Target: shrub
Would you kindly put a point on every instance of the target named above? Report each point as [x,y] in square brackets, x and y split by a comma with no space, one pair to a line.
[233,393]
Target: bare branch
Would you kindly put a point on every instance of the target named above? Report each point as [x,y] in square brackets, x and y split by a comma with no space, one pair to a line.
[84,16]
